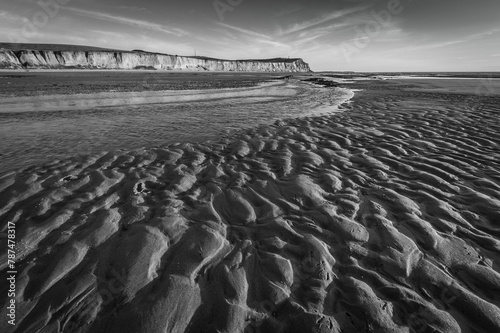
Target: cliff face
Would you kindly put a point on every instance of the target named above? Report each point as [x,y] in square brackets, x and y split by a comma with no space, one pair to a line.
[37,59]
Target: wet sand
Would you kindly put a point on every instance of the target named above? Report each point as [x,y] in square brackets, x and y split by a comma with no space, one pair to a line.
[382,218]
[17,83]
[38,129]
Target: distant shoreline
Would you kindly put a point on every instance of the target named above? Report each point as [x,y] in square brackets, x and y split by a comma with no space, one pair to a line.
[57,82]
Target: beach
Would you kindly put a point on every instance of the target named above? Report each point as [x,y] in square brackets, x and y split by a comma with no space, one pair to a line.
[380,218]
[52,119]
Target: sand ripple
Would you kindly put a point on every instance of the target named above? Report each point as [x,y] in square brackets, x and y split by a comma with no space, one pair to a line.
[381,219]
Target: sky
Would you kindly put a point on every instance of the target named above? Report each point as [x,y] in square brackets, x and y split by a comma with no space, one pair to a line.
[330,35]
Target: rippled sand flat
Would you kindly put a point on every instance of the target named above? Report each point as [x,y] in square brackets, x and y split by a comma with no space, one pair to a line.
[38,129]
[383,218]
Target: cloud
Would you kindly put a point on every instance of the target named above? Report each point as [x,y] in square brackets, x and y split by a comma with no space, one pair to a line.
[270,42]
[243,31]
[322,19]
[127,21]
[133,8]
[108,34]
[332,28]
[485,34]
[252,36]
[307,40]
[422,47]
[448,43]
[10,17]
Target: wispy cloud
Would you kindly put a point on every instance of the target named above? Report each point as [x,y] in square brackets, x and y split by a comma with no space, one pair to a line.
[422,45]
[322,19]
[128,21]
[307,40]
[251,37]
[247,37]
[10,17]
[243,31]
[107,34]
[133,8]
[485,34]
[271,42]
[332,28]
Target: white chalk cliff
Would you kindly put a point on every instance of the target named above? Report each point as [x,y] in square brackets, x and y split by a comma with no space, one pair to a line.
[49,59]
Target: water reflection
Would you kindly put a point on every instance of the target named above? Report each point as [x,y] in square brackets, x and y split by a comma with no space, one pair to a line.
[34,132]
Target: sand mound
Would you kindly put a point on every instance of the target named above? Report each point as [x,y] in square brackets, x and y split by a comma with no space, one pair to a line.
[379,219]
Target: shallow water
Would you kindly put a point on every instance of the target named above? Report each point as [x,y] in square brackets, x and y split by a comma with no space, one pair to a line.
[35,130]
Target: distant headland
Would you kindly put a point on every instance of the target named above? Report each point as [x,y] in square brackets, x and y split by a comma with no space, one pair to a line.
[58,56]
